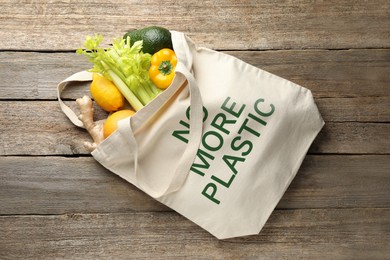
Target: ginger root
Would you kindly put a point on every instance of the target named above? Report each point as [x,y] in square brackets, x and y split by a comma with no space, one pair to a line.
[95,129]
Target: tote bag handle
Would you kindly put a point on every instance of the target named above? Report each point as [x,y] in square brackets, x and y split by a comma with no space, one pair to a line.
[127,128]
[182,46]
[81,76]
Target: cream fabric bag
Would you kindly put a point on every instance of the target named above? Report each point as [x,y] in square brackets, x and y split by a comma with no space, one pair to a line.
[226,162]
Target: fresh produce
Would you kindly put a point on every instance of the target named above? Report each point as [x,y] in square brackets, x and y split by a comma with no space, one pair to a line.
[126,66]
[106,94]
[154,38]
[95,129]
[136,67]
[162,69]
[111,124]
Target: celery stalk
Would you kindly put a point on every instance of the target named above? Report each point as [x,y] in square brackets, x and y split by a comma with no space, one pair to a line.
[127,66]
[126,92]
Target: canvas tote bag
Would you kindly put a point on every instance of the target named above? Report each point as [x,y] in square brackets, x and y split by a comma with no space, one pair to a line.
[220,145]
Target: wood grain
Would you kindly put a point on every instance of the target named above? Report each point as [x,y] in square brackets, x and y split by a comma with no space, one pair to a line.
[339,74]
[58,185]
[43,25]
[309,234]
[57,202]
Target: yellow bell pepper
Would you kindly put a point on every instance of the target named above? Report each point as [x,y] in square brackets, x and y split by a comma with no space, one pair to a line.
[162,69]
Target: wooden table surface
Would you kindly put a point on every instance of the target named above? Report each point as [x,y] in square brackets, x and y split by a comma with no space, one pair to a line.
[56,201]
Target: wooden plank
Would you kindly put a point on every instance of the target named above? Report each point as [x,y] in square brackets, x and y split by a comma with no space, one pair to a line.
[359,109]
[309,234]
[340,181]
[343,73]
[42,25]
[32,128]
[337,73]
[40,128]
[352,138]
[58,185]
[35,75]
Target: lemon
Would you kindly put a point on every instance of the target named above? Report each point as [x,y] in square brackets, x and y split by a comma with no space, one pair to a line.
[106,94]
[111,124]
